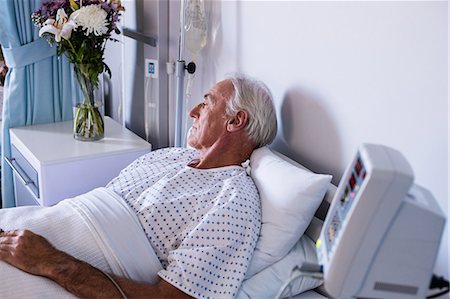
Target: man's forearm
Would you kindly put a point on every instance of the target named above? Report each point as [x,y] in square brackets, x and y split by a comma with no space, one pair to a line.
[86,281]
[80,278]
[32,253]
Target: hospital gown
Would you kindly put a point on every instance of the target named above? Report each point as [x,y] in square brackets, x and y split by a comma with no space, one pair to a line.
[202,223]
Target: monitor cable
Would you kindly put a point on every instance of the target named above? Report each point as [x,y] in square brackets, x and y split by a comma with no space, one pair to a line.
[305,270]
[439,282]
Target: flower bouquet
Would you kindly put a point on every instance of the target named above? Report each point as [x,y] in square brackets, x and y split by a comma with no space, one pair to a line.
[80,29]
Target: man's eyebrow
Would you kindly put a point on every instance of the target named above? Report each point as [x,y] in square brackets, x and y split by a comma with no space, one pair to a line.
[209,96]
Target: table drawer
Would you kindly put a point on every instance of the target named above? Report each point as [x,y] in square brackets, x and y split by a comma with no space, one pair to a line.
[24,196]
[24,171]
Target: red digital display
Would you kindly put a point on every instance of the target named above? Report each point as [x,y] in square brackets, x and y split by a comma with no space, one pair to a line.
[358,167]
[352,182]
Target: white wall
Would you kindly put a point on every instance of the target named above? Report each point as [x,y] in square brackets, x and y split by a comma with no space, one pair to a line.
[342,73]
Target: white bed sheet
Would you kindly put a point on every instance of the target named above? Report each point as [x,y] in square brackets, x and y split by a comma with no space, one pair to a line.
[97,227]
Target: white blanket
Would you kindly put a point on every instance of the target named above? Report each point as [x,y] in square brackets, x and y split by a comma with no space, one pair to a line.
[97,227]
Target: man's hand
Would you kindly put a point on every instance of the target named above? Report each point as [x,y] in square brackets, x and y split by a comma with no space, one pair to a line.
[27,251]
[32,253]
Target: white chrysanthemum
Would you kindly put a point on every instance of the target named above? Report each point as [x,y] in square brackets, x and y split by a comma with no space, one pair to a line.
[91,18]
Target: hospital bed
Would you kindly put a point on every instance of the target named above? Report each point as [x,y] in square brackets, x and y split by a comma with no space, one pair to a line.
[295,203]
[82,228]
[105,245]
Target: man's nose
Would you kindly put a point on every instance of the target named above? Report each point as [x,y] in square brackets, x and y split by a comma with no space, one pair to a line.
[194,111]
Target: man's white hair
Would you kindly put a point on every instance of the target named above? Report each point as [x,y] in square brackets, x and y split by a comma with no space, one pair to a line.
[254,97]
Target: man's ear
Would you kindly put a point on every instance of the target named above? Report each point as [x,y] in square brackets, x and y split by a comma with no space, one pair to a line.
[237,122]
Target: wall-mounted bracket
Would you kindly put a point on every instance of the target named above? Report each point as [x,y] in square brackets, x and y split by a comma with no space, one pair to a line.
[144,38]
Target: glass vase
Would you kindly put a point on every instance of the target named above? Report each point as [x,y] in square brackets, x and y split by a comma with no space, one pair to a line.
[88,122]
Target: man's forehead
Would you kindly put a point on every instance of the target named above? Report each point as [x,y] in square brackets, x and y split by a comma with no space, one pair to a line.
[221,89]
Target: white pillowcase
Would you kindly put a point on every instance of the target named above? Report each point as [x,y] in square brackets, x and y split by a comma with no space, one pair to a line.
[268,282]
[290,195]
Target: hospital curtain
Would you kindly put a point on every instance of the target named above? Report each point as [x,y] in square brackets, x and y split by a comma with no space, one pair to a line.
[38,84]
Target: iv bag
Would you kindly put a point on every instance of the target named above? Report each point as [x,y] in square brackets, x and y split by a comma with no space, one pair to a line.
[195,27]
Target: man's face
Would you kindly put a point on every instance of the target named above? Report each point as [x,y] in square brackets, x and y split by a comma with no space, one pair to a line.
[210,120]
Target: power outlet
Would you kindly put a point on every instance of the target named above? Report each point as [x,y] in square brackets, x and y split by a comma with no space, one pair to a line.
[151,68]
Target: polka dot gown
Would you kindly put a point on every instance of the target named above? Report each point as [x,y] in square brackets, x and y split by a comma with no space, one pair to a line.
[202,223]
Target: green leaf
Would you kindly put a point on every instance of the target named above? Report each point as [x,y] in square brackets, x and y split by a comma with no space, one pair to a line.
[74,5]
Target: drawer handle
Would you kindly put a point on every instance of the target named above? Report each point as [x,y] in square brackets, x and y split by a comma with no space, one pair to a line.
[20,173]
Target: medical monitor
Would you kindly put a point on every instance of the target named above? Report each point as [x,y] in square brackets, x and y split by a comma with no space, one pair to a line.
[382,232]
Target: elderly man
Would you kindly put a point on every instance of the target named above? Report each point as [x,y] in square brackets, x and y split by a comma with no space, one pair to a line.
[199,209]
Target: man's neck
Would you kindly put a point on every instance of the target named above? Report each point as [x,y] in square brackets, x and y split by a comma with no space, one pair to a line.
[223,154]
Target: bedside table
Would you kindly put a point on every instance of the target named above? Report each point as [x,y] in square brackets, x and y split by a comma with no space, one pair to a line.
[50,165]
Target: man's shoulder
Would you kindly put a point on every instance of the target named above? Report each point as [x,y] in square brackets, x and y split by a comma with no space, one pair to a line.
[243,184]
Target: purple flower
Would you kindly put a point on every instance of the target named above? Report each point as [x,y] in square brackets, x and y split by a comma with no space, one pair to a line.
[50,8]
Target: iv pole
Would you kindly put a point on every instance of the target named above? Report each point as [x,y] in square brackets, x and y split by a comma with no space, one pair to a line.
[180,68]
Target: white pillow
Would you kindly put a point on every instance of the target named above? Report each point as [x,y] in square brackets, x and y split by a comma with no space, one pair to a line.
[290,195]
[268,282]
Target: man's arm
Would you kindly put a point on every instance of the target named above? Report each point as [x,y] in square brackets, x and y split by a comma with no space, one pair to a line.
[32,253]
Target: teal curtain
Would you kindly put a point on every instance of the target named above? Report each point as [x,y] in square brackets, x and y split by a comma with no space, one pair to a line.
[38,86]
